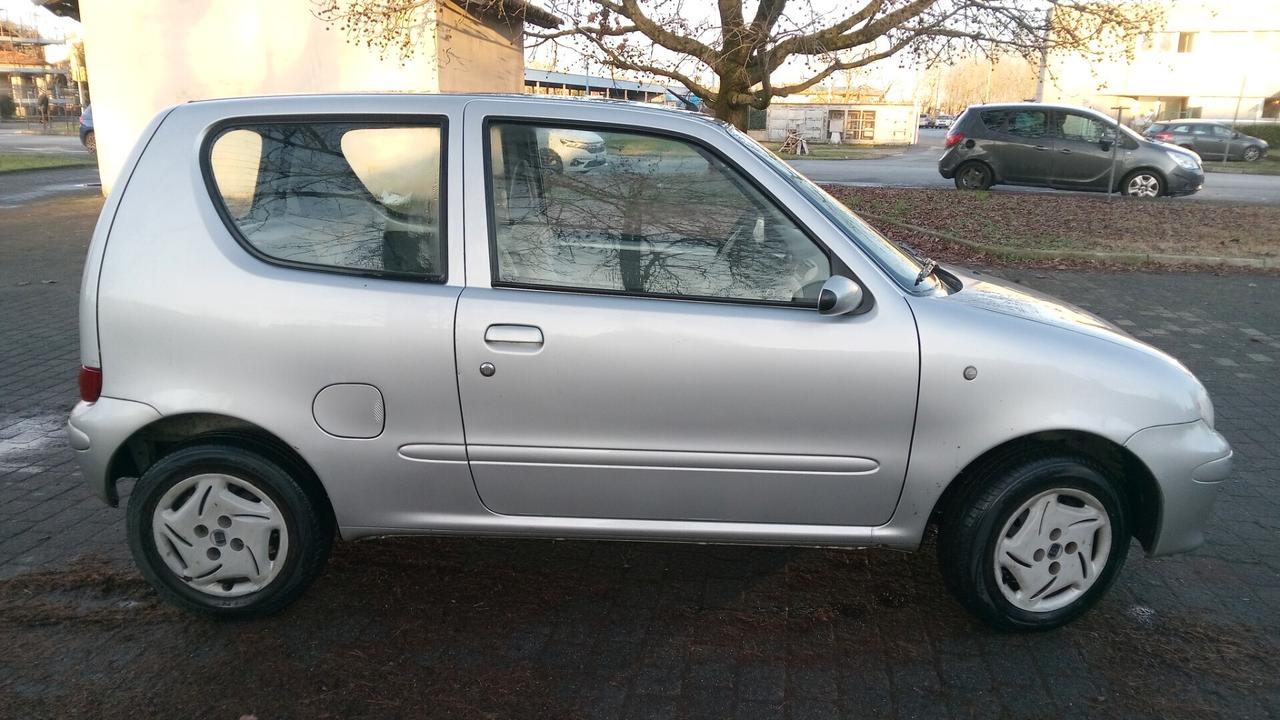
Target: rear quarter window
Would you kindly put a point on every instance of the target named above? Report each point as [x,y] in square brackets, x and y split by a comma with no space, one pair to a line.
[355,197]
[995,119]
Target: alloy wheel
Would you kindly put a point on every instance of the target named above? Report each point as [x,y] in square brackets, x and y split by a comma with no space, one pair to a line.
[1144,185]
[1052,549]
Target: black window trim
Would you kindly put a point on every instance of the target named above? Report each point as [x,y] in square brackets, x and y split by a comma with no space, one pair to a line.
[838,266]
[373,121]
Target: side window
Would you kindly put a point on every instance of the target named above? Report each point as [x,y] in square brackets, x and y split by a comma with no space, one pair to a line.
[1081,127]
[994,119]
[642,214]
[348,196]
[1201,130]
[1224,133]
[1183,129]
[1028,123]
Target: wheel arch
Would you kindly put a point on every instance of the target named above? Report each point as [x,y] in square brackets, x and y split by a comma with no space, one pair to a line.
[1134,481]
[996,178]
[153,441]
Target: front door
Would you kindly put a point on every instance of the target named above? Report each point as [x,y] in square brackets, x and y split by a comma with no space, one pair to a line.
[648,346]
[1081,160]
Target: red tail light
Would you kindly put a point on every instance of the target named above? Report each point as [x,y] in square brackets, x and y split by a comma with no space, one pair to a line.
[90,384]
[954,139]
[1164,136]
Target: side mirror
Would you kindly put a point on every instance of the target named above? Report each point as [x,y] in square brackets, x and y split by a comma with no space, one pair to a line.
[1235,135]
[840,296]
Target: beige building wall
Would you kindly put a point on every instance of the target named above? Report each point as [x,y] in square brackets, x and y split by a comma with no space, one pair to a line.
[1210,56]
[145,55]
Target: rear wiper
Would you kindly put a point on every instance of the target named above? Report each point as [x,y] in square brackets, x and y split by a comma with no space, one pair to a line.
[926,271]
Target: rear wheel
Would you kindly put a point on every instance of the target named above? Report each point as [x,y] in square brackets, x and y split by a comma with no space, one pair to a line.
[1252,153]
[1142,184]
[1034,543]
[224,530]
[974,176]
[91,143]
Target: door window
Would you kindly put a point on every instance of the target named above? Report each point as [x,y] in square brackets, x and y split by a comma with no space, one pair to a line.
[1222,132]
[341,196]
[1028,123]
[994,119]
[640,214]
[1082,128]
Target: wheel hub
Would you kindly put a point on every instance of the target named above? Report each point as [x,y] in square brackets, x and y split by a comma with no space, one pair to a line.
[1052,549]
[220,534]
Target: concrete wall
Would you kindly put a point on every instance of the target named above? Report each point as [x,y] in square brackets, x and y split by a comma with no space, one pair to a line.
[144,55]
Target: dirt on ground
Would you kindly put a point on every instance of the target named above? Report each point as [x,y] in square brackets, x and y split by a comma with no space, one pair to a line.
[1059,221]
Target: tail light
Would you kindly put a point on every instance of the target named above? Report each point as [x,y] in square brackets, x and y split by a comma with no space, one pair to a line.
[1164,136]
[954,139]
[90,384]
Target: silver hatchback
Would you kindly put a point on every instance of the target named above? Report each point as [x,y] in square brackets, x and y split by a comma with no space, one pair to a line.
[391,315]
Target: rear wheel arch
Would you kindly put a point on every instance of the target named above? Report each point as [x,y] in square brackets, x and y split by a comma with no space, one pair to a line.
[154,441]
[1133,480]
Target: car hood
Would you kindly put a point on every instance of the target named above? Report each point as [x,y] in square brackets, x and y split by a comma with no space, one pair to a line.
[987,293]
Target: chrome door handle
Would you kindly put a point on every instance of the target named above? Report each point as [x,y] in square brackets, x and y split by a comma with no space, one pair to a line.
[1041,147]
[513,334]
[1065,151]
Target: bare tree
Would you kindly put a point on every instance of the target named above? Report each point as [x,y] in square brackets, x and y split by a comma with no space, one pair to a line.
[729,56]
[999,78]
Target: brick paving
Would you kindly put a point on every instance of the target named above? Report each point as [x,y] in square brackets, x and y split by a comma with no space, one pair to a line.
[492,628]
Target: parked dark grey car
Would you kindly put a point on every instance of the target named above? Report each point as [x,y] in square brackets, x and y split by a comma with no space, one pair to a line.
[1067,148]
[1211,140]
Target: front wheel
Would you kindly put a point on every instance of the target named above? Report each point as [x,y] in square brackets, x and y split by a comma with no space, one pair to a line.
[1252,153]
[223,530]
[1142,184]
[1034,543]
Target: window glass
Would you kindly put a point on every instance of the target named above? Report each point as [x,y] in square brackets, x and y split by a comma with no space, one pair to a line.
[643,214]
[336,194]
[1080,127]
[1222,132]
[994,119]
[1028,123]
[1201,129]
[1183,129]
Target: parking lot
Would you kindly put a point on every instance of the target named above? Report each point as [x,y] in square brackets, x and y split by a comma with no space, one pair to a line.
[496,628]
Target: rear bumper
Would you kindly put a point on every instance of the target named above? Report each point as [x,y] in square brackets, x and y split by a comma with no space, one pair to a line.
[1190,461]
[97,430]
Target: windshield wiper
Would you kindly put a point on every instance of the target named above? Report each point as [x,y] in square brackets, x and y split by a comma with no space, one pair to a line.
[926,271]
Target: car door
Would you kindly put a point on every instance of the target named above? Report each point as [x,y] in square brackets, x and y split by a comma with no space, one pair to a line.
[1024,149]
[1224,142]
[1081,160]
[1207,143]
[640,341]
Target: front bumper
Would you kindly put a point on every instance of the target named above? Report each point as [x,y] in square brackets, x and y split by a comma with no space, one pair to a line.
[97,430]
[1189,462]
[1185,182]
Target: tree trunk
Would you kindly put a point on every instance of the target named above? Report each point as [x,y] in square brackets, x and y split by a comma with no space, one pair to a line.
[735,115]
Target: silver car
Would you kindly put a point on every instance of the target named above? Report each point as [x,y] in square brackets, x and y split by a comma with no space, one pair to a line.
[385,315]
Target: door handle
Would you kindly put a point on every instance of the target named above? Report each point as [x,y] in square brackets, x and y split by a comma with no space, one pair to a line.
[513,334]
[1065,151]
[1041,147]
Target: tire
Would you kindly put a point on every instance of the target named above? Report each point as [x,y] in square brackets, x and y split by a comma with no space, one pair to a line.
[230,508]
[551,161]
[1145,184]
[1252,153]
[982,537]
[91,143]
[974,175]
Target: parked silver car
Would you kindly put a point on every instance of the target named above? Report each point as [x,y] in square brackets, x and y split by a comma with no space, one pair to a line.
[385,315]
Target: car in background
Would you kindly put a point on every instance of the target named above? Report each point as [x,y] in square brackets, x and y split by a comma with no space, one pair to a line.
[925,121]
[1068,148]
[87,138]
[565,150]
[1211,140]
[943,120]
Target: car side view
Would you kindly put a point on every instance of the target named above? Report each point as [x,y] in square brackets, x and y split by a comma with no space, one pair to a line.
[1065,148]
[312,316]
[1210,140]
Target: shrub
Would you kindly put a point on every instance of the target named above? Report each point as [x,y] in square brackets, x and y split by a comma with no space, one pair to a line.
[1270,133]
[8,108]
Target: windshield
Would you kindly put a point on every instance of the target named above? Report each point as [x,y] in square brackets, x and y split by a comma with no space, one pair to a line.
[894,260]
